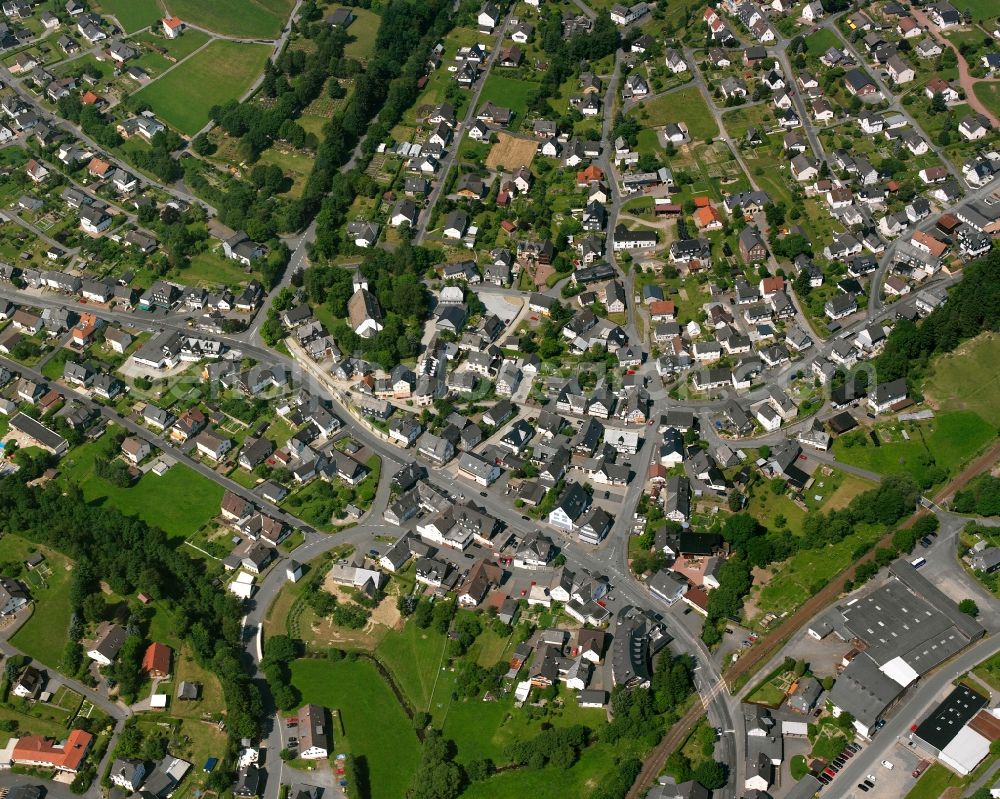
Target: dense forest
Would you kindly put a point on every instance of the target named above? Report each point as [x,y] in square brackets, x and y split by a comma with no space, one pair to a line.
[131,556]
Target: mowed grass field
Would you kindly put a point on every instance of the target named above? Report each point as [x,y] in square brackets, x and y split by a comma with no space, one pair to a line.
[989,95]
[43,636]
[375,725]
[363,30]
[133,14]
[967,380]
[982,10]
[222,71]
[821,41]
[686,105]
[510,93]
[179,502]
[414,657]
[249,19]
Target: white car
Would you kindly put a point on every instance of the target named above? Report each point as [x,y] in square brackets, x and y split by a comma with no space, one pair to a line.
[887,764]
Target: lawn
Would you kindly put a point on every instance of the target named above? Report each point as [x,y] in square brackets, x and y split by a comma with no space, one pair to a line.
[42,635]
[210,269]
[982,10]
[377,729]
[948,440]
[509,92]
[133,14]
[222,71]
[989,94]
[595,763]
[989,672]
[773,689]
[686,105]
[241,18]
[965,379]
[484,729]
[179,502]
[933,783]
[414,656]
[179,48]
[363,31]
[821,41]
[295,165]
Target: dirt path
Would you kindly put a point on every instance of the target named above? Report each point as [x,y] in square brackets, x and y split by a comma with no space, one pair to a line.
[770,643]
[965,80]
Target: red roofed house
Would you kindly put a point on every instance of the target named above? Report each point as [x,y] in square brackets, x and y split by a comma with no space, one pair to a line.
[586,176]
[928,243]
[662,311]
[172,27]
[89,98]
[702,202]
[156,661]
[98,167]
[707,218]
[770,286]
[33,750]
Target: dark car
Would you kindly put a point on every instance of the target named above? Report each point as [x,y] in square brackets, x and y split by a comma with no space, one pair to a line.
[862,787]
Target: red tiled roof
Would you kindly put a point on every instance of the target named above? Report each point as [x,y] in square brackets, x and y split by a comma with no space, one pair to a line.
[68,756]
[157,659]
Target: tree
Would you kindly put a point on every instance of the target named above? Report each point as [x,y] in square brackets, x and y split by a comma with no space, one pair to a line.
[711,774]
[969,607]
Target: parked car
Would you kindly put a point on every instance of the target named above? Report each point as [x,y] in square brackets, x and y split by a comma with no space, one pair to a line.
[887,764]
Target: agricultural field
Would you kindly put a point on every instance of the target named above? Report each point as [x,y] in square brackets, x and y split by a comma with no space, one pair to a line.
[179,502]
[222,71]
[965,379]
[262,19]
[511,152]
[132,14]
[376,727]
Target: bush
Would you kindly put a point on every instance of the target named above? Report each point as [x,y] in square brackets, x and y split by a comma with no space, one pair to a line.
[969,607]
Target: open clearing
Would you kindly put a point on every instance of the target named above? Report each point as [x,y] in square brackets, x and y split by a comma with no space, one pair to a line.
[363,30]
[948,440]
[179,502]
[982,10]
[509,92]
[222,71]
[686,105]
[511,152]
[242,18]
[988,93]
[376,727]
[967,380]
[133,14]
[43,635]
